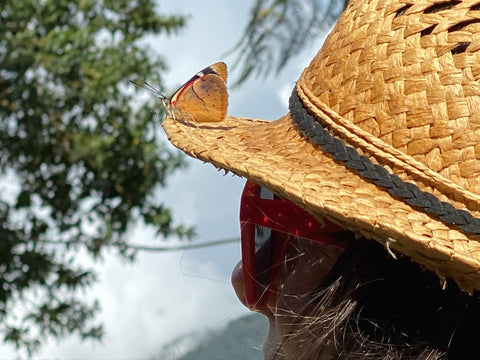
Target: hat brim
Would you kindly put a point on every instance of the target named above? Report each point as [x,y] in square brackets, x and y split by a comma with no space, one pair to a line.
[275,155]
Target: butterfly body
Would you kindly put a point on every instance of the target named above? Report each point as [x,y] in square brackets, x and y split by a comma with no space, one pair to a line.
[203,98]
[205,95]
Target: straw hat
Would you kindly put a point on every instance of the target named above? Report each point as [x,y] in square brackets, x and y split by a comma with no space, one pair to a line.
[383,133]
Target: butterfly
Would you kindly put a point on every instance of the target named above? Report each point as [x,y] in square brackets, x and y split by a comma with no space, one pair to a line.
[203,98]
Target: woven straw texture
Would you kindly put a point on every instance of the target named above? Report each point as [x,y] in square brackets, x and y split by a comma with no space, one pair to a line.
[406,73]
[273,154]
[399,82]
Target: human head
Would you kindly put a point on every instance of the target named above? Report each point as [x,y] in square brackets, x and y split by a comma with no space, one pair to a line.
[341,297]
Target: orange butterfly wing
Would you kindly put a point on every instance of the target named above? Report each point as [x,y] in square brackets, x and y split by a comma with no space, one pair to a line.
[204,97]
[221,69]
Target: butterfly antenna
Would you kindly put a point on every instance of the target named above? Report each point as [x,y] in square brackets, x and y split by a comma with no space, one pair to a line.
[147,86]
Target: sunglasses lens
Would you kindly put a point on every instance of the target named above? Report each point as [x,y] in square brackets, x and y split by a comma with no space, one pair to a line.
[268,224]
[263,251]
[263,258]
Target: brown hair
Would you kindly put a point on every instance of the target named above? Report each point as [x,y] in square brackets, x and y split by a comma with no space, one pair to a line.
[372,306]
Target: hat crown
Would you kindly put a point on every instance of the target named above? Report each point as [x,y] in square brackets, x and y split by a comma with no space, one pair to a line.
[407,72]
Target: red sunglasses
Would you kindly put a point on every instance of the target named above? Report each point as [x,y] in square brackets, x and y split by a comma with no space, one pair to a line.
[268,224]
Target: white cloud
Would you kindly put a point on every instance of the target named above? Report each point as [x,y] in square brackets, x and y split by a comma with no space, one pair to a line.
[150,303]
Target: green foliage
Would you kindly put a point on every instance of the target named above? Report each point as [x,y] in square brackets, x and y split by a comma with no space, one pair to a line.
[82,154]
[279,29]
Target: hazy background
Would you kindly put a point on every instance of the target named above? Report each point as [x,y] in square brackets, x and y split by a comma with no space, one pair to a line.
[163,295]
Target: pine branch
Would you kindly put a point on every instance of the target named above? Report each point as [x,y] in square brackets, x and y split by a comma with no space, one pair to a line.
[280,29]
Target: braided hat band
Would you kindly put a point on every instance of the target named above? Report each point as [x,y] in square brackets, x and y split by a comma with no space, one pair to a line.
[377,174]
[404,77]
[383,135]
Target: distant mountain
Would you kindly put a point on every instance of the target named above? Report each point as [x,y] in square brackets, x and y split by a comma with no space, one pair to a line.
[241,339]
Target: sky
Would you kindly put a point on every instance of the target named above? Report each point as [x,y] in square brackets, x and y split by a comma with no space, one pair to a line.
[161,296]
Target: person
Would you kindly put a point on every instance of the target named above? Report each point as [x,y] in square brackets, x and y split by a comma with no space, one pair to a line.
[360,219]
[329,295]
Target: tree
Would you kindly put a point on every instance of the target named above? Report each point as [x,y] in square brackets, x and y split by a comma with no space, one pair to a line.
[279,29]
[80,159]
